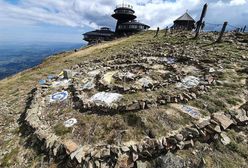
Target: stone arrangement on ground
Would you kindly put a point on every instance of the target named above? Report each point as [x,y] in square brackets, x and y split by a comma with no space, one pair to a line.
[144,102]
[123,83]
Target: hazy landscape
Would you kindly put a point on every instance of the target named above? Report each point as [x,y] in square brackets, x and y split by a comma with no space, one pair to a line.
[16,57]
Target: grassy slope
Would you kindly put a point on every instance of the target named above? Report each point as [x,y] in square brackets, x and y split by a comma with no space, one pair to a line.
[14,92]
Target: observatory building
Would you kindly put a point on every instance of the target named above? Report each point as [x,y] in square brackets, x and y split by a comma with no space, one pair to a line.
[126,25]
[185,22]
[104,34]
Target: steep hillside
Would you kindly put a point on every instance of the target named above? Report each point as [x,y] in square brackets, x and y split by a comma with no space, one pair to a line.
[140,101]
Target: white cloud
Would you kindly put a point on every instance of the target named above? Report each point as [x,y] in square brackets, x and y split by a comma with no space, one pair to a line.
[82,13]
[237,2]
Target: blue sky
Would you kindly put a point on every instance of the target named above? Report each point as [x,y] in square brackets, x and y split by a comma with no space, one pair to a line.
[67,20]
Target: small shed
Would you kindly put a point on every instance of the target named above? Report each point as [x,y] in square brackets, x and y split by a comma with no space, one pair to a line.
[184,22]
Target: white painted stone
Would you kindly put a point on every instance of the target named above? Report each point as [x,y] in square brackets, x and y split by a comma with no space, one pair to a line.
[188,82]
[105,98]
[59,96]
[70,122]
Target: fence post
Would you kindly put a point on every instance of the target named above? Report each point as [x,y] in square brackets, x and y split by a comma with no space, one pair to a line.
[244,29]
[199,23]
[156,35]
[166,30]
[222,32]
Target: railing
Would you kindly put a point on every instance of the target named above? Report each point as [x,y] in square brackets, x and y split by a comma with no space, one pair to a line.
[104,28]
[124,6]
[124,11]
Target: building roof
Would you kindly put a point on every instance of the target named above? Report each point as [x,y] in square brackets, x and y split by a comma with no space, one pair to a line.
[134,22]
[185,17]
[104,31]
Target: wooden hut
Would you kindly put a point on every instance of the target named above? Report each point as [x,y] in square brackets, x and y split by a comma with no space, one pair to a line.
[184,22]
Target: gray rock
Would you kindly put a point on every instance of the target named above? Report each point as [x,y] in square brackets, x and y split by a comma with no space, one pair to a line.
[179,137]
[169,161]
[125,149]
[241,116]
[222,119]
[193,131]
[88,85]
[203,124]
[146,82]
[133,106]
[106,152]
[189,144]
[135,156]
[134,147]
[180,145]
[225,139]
[217,129]
[141,164]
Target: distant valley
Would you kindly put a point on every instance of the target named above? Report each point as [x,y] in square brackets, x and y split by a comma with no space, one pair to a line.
[16,57]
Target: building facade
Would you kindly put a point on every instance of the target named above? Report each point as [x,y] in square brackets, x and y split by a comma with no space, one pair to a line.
[126,23]
[104,34]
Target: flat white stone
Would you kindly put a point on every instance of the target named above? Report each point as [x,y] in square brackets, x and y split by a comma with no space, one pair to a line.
[105,98]
[189,82]
[145,82]
[64,83]
[94,72]
[88,85]
[211,70]
[225,139]
[193,112]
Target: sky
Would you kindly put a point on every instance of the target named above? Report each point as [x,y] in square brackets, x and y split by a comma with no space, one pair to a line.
[67,20]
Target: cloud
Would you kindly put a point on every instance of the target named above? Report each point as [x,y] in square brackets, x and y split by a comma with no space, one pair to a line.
[237,2]
[96,13]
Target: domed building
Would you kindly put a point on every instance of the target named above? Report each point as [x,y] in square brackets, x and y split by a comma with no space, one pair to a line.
[104,34]
[126,23]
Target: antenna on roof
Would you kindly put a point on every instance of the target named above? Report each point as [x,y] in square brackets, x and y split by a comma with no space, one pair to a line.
[187,11]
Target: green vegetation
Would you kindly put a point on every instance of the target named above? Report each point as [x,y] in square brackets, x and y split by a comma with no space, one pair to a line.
[10,158]
[61,130]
